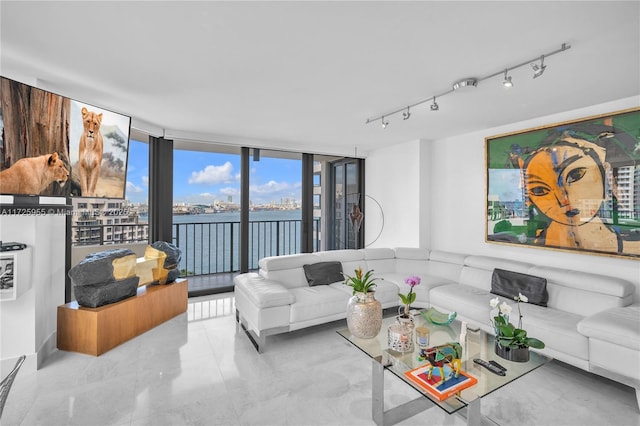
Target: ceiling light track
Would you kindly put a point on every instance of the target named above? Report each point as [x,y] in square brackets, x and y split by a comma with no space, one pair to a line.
[538,69]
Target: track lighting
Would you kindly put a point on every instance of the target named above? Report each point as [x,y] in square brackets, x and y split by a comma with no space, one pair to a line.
[507,80]
[434,105]
[472,82]
[465,82]
[538,70]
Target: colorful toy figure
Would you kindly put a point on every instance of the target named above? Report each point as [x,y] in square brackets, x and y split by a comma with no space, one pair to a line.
[438,356]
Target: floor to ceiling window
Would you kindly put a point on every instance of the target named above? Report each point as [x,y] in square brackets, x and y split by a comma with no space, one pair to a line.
[275,198]
[206,211]
[347,205]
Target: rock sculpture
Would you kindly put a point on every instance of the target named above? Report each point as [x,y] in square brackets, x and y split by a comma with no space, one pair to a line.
[172,261]
[105,277]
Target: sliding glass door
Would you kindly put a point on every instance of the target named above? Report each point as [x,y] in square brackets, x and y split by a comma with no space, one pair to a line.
[347,204]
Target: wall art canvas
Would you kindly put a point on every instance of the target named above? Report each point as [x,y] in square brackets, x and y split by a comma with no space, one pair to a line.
[8,276]
[567,186]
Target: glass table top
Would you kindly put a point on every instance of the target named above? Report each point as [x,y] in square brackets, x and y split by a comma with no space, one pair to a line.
[478,344]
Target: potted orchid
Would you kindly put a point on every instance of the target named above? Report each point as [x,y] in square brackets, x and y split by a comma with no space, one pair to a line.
[512,343]
[410,297]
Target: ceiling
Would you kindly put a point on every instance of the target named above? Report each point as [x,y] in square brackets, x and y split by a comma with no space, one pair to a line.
[305,76]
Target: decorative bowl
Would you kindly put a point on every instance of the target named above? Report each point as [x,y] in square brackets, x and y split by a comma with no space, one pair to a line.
[439,318]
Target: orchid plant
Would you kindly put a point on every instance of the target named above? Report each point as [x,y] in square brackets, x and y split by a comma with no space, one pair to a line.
[410,297]
[506,334]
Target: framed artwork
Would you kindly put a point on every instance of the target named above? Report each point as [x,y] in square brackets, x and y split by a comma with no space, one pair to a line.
[567,186]
[8,272]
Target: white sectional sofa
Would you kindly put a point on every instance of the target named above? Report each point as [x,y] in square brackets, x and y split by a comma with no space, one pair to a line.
[587,316]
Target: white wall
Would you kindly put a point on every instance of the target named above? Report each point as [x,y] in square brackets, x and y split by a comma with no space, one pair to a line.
[28,325]
[394,179]
[454,199]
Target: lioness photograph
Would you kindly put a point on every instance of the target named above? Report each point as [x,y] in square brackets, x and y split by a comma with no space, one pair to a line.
[32,175]
[99,140]
[90,152]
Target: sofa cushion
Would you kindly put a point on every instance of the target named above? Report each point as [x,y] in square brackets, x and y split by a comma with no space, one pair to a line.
[556,328]
[448,257]
[620,326]
[289,261]
[490,263]
[470,301]
[594,292]
[378,253]
[476,277]
[510,284]
[317,302]
[323,273]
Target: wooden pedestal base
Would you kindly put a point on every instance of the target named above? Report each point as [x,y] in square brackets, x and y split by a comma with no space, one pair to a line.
[94,331]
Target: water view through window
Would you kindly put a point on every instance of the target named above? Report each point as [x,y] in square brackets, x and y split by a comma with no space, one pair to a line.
[206,208]
[206,213]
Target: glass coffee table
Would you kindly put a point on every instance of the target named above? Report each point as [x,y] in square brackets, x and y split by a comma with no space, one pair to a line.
[478,344]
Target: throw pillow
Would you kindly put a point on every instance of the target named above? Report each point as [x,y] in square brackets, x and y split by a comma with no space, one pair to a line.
[509,284]
[323,273]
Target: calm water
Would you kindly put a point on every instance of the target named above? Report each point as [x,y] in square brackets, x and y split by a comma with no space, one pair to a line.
[235,216]
[210,242]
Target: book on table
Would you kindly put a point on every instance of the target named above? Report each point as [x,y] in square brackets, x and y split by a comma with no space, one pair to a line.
[434,386]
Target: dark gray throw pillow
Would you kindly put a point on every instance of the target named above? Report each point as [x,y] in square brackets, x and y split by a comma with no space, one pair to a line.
[323,273]
[509,284]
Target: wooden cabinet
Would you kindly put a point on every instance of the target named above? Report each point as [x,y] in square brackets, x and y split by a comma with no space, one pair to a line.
[94,331]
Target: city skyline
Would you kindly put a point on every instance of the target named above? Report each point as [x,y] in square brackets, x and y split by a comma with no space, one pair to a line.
[204,177]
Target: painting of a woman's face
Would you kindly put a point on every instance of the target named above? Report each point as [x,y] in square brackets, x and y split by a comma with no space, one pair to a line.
[566,183]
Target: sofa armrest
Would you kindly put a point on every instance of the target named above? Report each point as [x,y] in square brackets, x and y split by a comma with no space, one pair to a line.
[261,292]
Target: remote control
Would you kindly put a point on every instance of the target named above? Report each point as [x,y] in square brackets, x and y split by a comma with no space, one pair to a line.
[490,367]
[497,365]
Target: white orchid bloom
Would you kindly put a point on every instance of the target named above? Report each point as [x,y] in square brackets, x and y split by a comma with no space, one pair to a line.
[505,308]
[522,298]
[494,302]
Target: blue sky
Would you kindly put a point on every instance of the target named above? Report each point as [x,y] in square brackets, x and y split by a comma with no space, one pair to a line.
[203,177]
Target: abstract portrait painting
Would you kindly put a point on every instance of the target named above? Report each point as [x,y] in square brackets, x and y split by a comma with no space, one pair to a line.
[568,186]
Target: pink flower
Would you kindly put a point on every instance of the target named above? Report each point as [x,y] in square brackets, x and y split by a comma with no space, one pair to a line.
[412,281]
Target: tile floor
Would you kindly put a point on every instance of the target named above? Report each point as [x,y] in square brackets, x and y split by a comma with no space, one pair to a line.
[197,369]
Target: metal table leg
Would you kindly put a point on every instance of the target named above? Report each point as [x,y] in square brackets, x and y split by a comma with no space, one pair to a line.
[396,414]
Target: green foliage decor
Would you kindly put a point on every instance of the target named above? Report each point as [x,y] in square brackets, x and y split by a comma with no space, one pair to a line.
[361,282]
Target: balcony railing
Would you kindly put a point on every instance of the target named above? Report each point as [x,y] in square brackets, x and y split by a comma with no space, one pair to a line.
[208,247]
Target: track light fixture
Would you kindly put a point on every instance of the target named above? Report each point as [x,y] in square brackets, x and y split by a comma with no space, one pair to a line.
[465,82]
[507,80]
[538,70]
[434,105]
[472,82]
